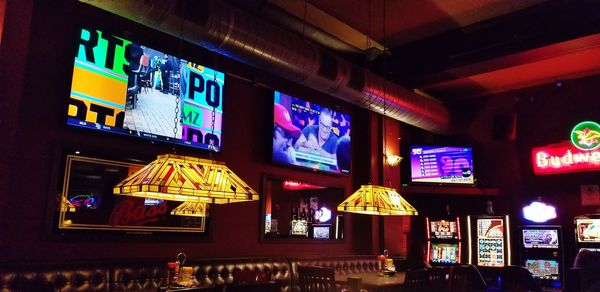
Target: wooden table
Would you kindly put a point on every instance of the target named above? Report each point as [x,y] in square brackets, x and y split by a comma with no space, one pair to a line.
[375,281]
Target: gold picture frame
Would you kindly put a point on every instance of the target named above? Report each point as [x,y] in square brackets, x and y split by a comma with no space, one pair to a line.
[87,203]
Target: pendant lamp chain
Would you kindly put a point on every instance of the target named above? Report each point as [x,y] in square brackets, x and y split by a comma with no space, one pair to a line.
[374,199]
[385,75]
[304,21]
[177,118]
[370,95]
[212,147]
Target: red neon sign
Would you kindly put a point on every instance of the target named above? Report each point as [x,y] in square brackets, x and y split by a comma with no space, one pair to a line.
[291,185]
[563,158]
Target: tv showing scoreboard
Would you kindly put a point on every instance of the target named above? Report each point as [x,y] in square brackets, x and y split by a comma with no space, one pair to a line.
[442,165]
[124,87]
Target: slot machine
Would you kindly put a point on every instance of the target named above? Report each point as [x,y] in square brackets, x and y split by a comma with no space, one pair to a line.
[542,254]
[443,241]
[488,241]
[587,231]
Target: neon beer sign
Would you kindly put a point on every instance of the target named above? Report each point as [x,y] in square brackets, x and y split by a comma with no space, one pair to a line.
[582,154]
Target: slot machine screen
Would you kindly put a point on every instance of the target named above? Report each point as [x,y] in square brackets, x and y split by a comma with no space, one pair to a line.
[490,242]
[540,238]
[445,253]
[543,269]
[443,229]
[588,230]
[124,87]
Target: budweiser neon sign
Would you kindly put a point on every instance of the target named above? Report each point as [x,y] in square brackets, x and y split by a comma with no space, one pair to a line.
[582,154]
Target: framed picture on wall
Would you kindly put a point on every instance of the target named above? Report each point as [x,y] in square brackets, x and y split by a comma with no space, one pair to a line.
[87,202]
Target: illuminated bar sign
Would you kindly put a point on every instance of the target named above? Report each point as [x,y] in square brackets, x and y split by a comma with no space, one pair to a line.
[582,154]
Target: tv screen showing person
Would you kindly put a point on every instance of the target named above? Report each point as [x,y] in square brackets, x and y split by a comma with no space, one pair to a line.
[284,132]
[319,137]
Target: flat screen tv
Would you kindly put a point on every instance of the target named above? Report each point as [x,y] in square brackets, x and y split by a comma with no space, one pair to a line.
[540,238]
[121,86]
[588,230]
[444,229]
[445,253]
[545,269]
[441,165]
[309,135]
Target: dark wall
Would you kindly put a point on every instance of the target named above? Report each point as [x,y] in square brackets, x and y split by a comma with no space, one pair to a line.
[544,115]
[541,115]
[38,140]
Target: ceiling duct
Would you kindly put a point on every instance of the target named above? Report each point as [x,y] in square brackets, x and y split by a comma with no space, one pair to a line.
[229,31]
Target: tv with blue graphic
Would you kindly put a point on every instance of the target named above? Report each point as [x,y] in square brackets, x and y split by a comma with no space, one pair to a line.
[122,86]
[442,165]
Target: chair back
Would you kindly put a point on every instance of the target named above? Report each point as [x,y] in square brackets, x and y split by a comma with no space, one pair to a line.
[438,278]
[572,281]
[316,279]
[458,279]
[476,281]
[517,279]
[416,280]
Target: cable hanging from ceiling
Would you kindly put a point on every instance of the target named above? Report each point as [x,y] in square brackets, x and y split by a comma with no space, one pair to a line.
[372,199]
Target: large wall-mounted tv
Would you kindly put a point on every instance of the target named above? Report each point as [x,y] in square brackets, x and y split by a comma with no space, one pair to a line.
[442,165]
[124,87]
[309,135]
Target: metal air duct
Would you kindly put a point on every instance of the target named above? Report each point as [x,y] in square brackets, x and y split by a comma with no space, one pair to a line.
[226,30]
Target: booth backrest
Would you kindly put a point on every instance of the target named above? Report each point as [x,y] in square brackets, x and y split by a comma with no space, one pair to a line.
[221,271]
[138,276]
[149,275]
[46,278]
[207,273]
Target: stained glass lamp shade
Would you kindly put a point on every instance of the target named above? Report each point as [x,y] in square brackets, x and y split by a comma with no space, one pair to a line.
[186,179]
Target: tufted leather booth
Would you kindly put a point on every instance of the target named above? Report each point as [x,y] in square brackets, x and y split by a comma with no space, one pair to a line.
[45,278]
[220,271]
[340,265]
[136,277]
[149,275]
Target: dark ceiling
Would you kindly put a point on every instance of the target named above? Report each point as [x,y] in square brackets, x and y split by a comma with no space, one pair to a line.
[451,49]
